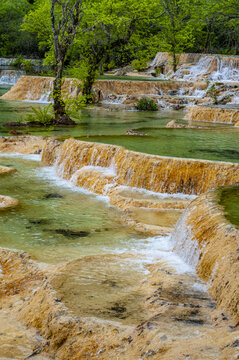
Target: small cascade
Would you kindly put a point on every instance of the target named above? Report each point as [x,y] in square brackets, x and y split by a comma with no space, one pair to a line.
[183,242]
[197,71]
[129,168]
[214,68]
[213,114]
[227,70]
[206,240]
[6,61]
[10,77]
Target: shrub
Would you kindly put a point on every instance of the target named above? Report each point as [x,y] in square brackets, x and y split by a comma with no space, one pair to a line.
[28,66]
[41,114]
[24,64]
[18,62]
[111,65]
[139,65]
[212,92]
[146,104]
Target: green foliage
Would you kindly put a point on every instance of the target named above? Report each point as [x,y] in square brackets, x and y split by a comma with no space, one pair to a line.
[73,106]
[146,104]
[79,70]
[139,64]
[212,92]
[28,66]
[41,114]
[18,62]
[12,40]
[115,33]
[38,22]
[24,64]
[111,65]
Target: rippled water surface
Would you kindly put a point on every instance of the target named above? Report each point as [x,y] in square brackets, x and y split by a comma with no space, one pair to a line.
[212,142]
[57,222]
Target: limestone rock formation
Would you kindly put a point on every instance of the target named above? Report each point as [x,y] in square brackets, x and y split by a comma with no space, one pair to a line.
[7,202]
[22,144]
[6,170]
[205,238]
[213,114]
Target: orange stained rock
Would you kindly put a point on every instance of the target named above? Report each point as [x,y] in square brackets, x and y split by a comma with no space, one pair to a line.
[39,88]
[149,172]
[213,242]
[213,114]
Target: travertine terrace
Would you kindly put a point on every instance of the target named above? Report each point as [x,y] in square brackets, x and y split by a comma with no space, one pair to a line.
[172,308]
[214,114]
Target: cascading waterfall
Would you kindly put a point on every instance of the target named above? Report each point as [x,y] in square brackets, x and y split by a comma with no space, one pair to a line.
[210,67]
[226,71]
[10,77]
[195,72]
[6,61]
[149,172]
[183,242]
[206,240]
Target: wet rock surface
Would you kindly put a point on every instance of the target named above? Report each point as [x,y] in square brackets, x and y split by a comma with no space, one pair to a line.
[109,307]
[71,233]
[22,144]
[7,202]
[179,319]
[53,196]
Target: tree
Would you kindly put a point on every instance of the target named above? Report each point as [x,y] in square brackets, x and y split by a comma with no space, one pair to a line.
[176,30]
[65,24]
[12,41]
[112,26]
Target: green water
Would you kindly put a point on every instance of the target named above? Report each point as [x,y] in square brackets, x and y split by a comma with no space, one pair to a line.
[128,78]
[212,142]
[229,199]
[36,225]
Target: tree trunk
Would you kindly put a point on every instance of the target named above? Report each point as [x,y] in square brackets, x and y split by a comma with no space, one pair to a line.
[61,118]
[87,85]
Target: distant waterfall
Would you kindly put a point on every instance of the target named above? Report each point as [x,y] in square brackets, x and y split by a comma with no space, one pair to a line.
[10,77]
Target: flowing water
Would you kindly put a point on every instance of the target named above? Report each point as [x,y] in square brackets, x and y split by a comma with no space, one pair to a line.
[55,221]
[9,75]
[107,263]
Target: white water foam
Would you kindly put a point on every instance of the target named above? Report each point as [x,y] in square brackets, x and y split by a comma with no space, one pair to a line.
[226,71]
[159,249]
[157,194]
[103,170]
[33,157]
[184,244]
[49,173]
[10,77]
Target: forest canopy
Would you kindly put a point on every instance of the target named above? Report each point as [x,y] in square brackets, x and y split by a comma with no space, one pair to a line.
[135,29]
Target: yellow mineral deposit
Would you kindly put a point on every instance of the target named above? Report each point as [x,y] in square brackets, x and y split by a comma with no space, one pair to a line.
[22,144]
[133,169]
[210,242]
[38,88]
[35,88]
[171,316]
[213,114]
